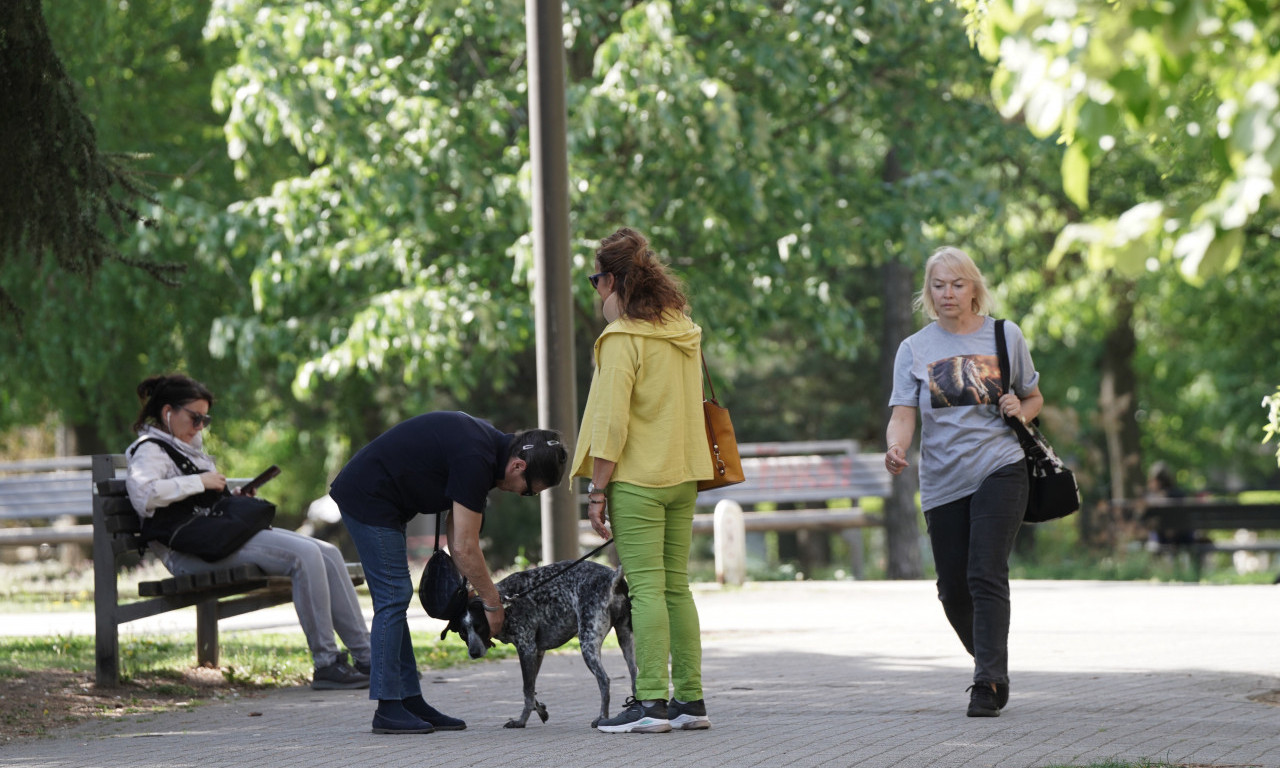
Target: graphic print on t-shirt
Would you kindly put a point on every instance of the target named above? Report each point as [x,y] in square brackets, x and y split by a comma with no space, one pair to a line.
[964,380]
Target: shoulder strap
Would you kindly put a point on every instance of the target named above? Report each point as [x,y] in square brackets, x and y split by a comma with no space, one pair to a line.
[183,461]
[1002,353]
[1025,437]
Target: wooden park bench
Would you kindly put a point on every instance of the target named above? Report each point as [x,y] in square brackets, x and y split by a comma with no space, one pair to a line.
[812,473]
[1205,515]
[216,595]
[41,501]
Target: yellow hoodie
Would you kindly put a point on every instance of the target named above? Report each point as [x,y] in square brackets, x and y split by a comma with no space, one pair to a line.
[644,410]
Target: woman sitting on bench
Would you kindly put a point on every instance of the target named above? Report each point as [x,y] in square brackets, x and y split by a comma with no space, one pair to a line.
[175,410]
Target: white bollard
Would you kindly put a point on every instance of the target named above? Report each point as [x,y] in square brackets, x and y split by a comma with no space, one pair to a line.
[730,543]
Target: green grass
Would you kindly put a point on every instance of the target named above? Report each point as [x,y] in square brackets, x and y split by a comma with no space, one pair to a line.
[263,660]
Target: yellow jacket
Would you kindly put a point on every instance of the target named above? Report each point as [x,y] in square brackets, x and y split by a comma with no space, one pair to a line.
[644,410]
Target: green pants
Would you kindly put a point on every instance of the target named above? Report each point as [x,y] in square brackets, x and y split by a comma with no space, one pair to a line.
[652,530]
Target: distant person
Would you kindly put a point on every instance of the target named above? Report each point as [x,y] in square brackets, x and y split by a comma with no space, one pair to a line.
[170,425]
[434,464]
[643,444]
[973,473]
[1161,487]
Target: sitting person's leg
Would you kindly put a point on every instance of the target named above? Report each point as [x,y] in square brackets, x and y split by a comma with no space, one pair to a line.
[281,552]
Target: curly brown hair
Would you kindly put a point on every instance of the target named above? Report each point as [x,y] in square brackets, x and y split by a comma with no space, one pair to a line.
[646,288]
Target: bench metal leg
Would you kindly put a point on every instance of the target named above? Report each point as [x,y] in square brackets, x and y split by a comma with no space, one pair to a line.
[853,538]
[207,633]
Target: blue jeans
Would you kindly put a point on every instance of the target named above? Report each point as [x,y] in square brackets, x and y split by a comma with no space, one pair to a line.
[972,539]
[384,553]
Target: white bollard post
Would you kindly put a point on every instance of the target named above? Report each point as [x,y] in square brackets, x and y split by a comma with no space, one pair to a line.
[730,543]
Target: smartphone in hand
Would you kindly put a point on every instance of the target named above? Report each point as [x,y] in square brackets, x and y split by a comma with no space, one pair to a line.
[257,482]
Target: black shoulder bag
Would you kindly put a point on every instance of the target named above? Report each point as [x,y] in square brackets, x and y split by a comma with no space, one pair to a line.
[442,590]
[210,525]
[1053,492]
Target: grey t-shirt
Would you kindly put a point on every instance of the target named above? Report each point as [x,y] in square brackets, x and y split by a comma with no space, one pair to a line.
[954,379]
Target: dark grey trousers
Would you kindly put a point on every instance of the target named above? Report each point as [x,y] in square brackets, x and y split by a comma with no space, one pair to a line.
[972,538]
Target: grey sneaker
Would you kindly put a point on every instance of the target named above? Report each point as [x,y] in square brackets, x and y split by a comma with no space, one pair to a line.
[637,718]
[688,715]
[338,676]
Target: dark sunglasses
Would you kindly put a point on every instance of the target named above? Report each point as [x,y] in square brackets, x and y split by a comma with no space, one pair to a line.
[198,419]
[595,279]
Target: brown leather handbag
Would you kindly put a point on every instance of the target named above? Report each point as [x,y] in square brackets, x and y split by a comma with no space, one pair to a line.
[720,439]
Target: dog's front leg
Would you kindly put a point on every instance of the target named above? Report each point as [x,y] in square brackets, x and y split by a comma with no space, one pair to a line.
[530,663]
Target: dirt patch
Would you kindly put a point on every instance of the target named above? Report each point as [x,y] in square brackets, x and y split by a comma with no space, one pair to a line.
[1271,697]
[40,704]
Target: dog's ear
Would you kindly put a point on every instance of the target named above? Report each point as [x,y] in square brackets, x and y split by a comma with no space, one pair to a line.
[479,622]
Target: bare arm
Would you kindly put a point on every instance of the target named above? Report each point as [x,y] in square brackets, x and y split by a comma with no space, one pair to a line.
[898,436]
[464,545]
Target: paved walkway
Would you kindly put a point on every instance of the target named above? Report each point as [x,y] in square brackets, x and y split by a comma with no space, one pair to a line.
[807,674]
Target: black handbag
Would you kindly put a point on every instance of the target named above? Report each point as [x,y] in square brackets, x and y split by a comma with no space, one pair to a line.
[1053,491]
[442,590]
[210,525]
[212,533]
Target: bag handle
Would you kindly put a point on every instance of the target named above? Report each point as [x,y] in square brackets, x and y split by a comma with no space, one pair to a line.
[706,417]
[1030,445]
[706,380]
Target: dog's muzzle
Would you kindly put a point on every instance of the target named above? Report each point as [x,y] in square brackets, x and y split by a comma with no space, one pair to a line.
[473,627]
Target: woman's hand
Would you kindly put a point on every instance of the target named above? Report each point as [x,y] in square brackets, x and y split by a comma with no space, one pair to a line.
[213,481]
[895,460]
[1011,406]
[596,504]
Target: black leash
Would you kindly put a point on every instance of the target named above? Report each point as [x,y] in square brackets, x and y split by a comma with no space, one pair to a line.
[554,576]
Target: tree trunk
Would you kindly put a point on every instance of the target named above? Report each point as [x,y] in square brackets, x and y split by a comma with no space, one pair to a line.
[902,530]
[1118,405]
[88,441]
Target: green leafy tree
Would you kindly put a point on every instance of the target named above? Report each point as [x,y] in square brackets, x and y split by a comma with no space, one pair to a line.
[1189,86]
[64,197]
[1190,79]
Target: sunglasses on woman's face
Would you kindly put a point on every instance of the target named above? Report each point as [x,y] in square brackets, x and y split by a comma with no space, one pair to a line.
[198,420]
[595,279]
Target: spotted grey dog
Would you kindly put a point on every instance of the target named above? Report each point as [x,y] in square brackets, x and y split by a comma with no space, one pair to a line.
[587,601]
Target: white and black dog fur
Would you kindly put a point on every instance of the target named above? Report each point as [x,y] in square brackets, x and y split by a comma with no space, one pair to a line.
[587,602]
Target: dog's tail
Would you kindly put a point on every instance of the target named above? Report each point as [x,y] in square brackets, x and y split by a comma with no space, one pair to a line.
[620,604]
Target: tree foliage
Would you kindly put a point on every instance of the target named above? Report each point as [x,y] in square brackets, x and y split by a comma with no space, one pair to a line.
[1193,82]
[61,188]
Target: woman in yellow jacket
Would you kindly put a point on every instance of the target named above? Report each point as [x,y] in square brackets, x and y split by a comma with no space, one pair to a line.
[643,444]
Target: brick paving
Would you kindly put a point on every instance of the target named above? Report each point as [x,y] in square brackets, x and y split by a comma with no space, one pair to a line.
[801,674]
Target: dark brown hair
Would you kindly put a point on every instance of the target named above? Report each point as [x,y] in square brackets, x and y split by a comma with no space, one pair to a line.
[544,454]
[646,289]
[172,390]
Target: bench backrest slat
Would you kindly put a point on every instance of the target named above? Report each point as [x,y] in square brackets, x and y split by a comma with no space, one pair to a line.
[45,495]
[812,471]
[117,514]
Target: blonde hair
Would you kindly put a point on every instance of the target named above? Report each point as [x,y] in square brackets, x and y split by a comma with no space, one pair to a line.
[960,263]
